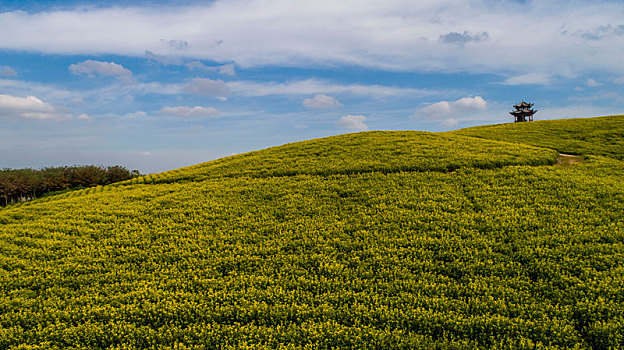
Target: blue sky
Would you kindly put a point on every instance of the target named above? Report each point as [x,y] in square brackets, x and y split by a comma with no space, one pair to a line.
[155,85]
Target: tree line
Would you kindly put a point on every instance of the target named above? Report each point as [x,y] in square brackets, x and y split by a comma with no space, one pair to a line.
[26,184]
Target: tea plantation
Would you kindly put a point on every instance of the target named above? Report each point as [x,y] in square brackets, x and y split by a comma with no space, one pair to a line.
[380,240]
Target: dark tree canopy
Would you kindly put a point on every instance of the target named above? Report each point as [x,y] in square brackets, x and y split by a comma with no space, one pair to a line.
[26,184]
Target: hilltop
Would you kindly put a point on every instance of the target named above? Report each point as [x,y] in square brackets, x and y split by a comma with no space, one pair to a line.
[467,239]
[596,136]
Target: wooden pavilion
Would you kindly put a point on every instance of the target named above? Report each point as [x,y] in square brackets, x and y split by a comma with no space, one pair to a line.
[523,112]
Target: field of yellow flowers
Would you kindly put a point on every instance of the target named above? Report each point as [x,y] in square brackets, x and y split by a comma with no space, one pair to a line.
[370,240]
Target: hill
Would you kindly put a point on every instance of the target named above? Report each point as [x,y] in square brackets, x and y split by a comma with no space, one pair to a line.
[375,151]
[597,136]
[367,240]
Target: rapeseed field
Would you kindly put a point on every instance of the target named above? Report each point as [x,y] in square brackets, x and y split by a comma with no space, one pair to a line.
[380,240]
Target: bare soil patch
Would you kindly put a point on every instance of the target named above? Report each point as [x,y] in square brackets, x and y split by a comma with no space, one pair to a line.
[568,159]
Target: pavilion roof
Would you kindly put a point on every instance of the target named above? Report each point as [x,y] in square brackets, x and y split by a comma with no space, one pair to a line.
[523,105]
[524,111]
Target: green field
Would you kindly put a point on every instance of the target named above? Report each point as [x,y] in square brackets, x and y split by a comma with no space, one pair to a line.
[467,239]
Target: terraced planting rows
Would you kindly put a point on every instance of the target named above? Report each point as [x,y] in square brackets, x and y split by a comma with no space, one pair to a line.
[528,255]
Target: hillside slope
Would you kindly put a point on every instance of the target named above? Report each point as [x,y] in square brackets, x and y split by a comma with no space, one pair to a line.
[374,151]
[414,240]
[598,136]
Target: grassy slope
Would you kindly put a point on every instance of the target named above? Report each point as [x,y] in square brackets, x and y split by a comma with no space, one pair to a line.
[598,136]
[377,151]
[521,256]
[381,151]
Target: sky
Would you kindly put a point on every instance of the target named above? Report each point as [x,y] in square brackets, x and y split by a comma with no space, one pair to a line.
[157,85]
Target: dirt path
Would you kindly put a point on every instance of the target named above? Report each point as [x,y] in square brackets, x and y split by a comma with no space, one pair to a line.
[568,159]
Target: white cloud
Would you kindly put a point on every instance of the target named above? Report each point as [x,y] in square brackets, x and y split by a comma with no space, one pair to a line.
[438,109]
[450,123]
[198,65]
[353,122]
[162,59]
[577,111]
[618,81]
[85,117]
[321,101]
[30,107]
[158,88]
[463,105]
[529,79]
[393,34]
[612,95]
[29,103]
[184,111]
[120,95]
[316,86]
[461,39]
[592,83]
[136,115]
[476,103]
[48,92]
[226,69]
[7,71]
[92,68]
[205,86]
[601,32]
[176,44]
